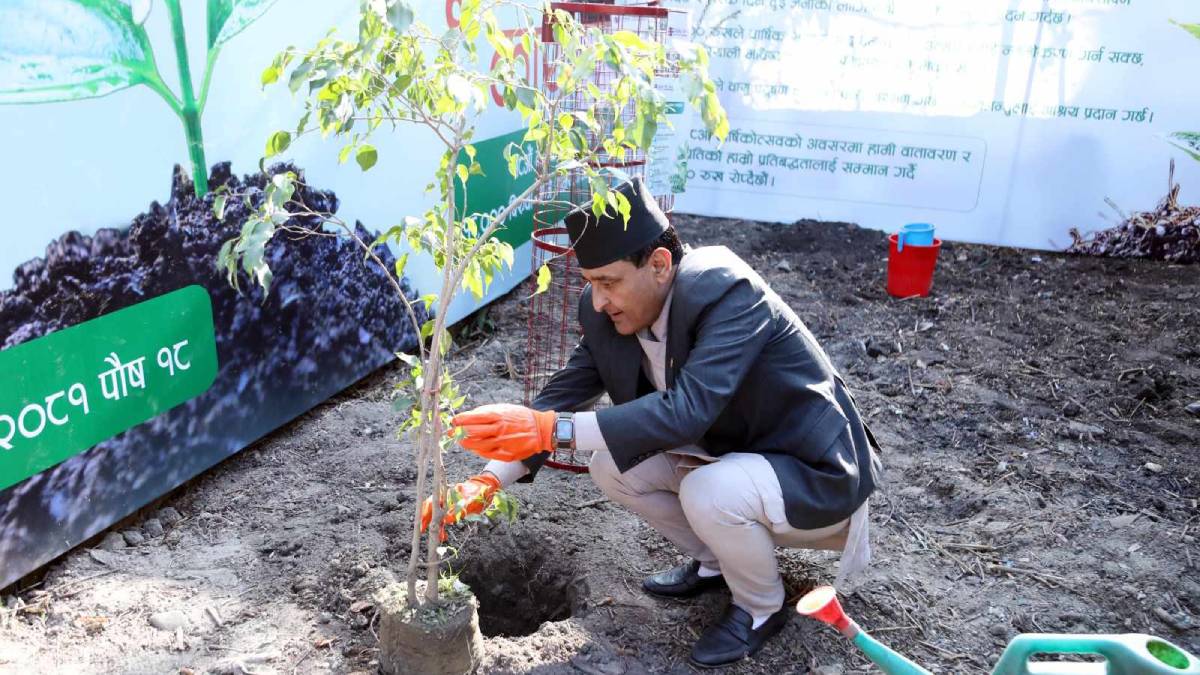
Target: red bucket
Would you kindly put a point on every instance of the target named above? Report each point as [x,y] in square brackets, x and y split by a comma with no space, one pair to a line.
[910,272]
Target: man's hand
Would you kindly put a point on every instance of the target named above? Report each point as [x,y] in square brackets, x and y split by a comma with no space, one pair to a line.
[476,491]
[506,432]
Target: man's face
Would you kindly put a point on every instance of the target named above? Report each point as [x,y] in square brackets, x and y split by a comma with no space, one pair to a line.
[632,296]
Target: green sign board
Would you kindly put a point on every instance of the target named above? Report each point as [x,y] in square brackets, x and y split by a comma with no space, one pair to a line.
[491,192]
[67,391]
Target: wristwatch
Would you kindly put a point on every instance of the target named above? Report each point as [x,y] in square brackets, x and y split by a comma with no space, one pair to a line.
[564,431]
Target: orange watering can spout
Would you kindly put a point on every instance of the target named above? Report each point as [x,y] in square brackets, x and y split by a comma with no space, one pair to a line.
[822,604]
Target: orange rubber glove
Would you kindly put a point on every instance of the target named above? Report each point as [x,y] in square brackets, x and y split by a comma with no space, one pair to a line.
[506,432]
[476,491]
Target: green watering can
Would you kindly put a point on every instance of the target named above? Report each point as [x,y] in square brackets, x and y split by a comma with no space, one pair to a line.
[1128,654]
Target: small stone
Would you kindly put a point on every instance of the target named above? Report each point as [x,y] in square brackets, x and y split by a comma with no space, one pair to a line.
[168,621]
[133,537]
[1080,429]
[169,516]
[1179,623]
[876,347]
[1072,617]
[325,617]
[304,583]
[113,541]
[611,667]
[784,266]
[1071,409]
[999,630]
[829,670]
[153,528]
[1124,521]
[1193,408]
[1154,468]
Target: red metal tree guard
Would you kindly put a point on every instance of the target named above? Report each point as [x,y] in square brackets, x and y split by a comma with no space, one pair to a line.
[553,319]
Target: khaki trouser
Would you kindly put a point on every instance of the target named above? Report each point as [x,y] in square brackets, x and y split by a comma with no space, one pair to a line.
[726,512]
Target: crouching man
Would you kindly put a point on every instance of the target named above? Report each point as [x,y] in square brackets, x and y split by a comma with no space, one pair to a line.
[731,432]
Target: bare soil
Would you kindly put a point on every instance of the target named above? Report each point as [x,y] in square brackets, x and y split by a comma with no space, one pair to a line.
[1041,475]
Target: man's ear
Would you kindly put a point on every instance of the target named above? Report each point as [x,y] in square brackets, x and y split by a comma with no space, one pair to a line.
[660,261]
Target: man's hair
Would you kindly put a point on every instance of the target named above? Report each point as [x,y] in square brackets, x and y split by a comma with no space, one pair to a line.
[669,240]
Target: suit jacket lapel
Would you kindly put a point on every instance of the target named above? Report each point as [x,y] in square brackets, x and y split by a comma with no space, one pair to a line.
[677,340]
[627,367]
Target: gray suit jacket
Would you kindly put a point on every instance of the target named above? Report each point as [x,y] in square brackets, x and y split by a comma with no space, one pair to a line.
[743,375]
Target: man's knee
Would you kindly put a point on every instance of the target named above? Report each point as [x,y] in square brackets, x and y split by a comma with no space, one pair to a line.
[606,475]
[718,494]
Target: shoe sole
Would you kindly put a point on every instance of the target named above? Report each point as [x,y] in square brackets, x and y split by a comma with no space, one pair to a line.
[714,666]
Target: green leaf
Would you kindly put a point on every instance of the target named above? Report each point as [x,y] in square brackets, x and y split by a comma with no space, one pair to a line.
[227,18]
[598,205]
[219,206]
[299,76]
[630,39]
[543,279]
[714,116]
[623,206]
[227,261]
[429,299]
[63,50]
[366,156]
[1193,28]
[525,96]
[401,403]
[473,281]
[648,127]
[270,75]
[401,262]
[278,142]
[427,329]
[462,172]
[344,153]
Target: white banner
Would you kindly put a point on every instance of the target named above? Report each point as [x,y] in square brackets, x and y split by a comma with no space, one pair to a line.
[999,121]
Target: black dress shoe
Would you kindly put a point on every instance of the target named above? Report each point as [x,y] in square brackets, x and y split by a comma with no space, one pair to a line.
[732,638]
[682,581]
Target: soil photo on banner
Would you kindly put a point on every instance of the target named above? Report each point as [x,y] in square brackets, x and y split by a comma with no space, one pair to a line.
[331,321]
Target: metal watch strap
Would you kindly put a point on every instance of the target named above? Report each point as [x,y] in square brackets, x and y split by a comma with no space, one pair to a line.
[564,443]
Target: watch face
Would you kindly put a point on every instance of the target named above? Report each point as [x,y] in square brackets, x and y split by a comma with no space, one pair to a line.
[563,430]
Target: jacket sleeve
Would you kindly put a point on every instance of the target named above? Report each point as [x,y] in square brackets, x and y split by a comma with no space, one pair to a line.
[730,334]
[575,387]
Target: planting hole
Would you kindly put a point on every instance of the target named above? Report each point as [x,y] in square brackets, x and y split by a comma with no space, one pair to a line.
[520,583]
